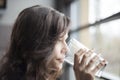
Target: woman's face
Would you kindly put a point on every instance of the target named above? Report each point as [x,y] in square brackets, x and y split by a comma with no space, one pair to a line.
[59,53]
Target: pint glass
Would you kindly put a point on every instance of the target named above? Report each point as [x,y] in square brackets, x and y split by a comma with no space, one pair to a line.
[74,46]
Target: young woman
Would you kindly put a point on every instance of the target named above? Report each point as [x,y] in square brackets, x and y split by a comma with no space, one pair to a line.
[38,48]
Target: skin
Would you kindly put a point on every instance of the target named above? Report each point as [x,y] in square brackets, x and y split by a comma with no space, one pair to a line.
[82,62]
[83,65]
[59,53]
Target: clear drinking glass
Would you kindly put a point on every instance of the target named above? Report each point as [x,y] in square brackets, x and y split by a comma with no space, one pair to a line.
[74,46]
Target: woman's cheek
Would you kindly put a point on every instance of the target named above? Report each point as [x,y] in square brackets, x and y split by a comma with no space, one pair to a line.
[58,48]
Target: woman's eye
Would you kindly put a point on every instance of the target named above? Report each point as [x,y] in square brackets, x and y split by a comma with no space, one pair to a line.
[60,40]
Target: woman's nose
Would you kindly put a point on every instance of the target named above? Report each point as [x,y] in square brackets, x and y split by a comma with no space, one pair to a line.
[65,48]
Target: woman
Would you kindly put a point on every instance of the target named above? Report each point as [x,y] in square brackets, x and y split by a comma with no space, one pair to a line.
[38,48]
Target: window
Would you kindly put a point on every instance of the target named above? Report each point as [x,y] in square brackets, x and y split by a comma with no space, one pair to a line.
[106,36]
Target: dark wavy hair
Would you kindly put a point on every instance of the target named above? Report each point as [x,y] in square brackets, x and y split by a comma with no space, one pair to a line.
[33,38]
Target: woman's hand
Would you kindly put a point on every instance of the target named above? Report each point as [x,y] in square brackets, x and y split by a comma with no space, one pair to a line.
[83,65]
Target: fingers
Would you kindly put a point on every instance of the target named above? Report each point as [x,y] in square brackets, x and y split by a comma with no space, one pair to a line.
[99,66]
[77,56]
[87,63]
[81,58]
[92,61]
[85,58]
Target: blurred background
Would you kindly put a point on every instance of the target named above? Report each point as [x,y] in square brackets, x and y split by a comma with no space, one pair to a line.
[95,23]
